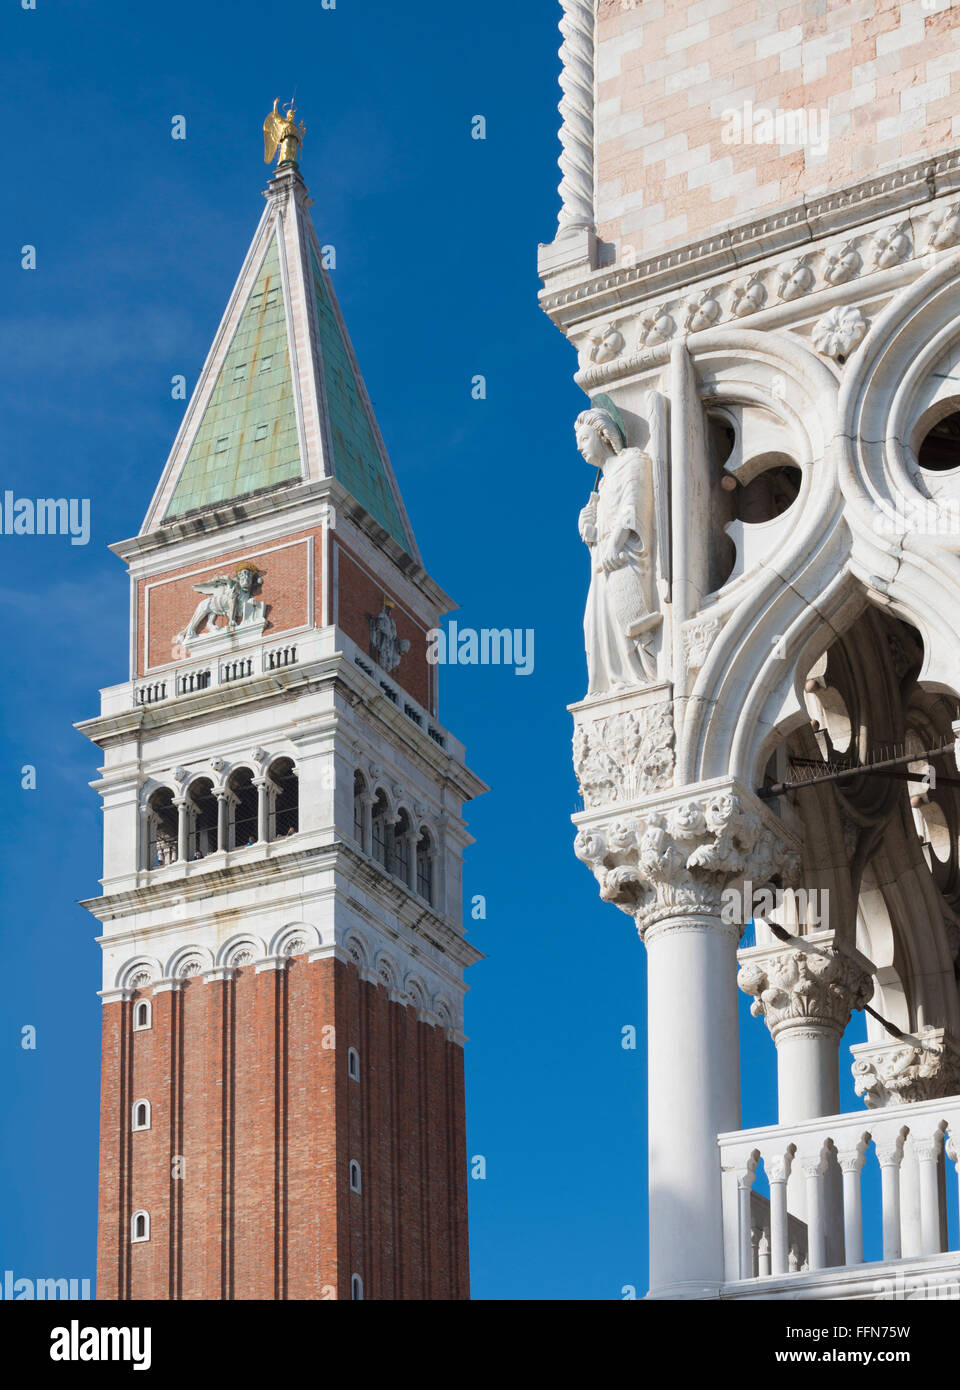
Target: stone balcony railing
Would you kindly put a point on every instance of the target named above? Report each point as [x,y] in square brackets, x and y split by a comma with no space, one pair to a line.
[193,676]
[815,1170]
[248,662]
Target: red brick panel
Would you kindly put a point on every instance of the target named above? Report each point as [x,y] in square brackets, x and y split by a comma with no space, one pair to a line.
[173,599]
[201,1187]
[150,1149]
[311,1215]
[113,1222]
[360,596]
[256,1262]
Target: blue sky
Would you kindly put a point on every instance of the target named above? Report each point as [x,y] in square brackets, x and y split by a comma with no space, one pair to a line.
[139,239]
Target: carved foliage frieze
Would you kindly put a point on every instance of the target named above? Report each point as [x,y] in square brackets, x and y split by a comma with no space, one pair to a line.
[624,755]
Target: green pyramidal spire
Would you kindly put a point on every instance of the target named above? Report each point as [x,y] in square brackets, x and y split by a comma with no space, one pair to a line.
[280,399]
[247,438]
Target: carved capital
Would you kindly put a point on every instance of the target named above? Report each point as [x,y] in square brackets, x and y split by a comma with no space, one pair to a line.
[676,860]
[925,1066]
[811,987]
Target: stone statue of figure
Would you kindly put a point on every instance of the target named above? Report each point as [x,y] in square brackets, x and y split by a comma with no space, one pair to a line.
[227,596]
[385,645]
[618,619]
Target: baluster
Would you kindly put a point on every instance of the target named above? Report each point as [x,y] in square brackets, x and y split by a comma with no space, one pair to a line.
[778,1171]
[744,1187]
[851,1164]
[890,1154]
[928,1160]
[763,1255]
[816,1232]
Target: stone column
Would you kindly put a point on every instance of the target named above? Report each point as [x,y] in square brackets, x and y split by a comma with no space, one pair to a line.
[368,801]
[693,1095]
[668,867]
[411,837]
[262,785]
[143,850]
[223,819]
[806,992]
[183,827]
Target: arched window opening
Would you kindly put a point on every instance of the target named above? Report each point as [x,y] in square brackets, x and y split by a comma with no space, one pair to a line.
[244,795]
[939,449]
[203,819]
[401,847]
[769,493]
[140,1226]
[142,1015]
[353,1064]
[356,1288]
[286,802]
[425,866]
[354,1175]
[359,792]
[162,829]
[141,1114]
[379,826]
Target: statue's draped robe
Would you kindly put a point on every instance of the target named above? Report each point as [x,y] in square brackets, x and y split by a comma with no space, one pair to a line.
[612,658]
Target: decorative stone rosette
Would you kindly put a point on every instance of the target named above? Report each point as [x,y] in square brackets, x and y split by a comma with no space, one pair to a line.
[898,1073]
[669,862]
[624,755]
[816,988]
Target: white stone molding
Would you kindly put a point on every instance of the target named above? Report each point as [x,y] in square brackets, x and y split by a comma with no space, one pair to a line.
[842,263]
[576,160]
[656,326]
[899,1072]
[794,279]
[702,312]
[945,229]
[605,344]
[675,858]
[891,245]
[748,296]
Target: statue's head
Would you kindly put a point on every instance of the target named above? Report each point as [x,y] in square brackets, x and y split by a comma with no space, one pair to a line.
[248,577]
[598,436]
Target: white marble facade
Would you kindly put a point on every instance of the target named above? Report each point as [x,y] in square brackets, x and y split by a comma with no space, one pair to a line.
[771,416]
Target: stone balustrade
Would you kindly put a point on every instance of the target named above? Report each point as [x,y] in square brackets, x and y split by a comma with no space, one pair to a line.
[815,1171]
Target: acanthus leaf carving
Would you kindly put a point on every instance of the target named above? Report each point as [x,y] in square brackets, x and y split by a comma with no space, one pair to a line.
[926,1067]
[626,755]
[816,987]
[664,863]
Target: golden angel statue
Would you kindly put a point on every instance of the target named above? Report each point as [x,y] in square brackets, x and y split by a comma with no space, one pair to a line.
[282,133]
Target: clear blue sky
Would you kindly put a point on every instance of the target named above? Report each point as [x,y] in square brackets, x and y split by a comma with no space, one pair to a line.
[139,239]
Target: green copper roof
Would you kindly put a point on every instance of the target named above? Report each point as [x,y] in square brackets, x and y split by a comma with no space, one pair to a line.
[248,435]
[357,461]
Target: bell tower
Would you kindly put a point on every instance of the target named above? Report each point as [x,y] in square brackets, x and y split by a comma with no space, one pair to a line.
[282,1101]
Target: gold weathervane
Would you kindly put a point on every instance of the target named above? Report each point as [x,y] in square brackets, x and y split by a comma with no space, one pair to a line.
[282,133]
